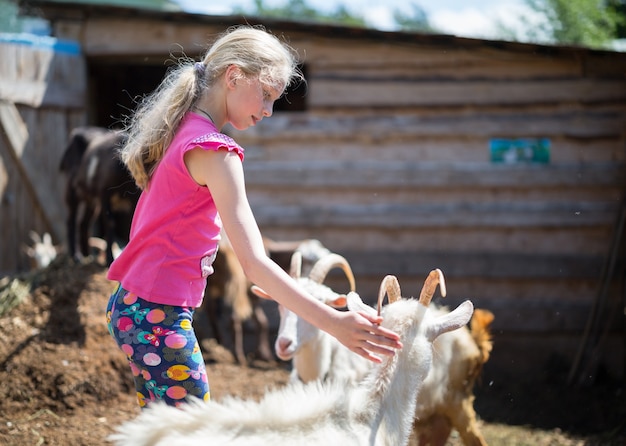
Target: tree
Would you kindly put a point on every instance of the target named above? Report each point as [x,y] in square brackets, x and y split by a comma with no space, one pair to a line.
[299,9]
[591,23]
[417,21]
[619,8]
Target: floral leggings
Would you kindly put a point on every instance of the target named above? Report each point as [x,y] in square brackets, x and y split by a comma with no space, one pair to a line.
[161,347]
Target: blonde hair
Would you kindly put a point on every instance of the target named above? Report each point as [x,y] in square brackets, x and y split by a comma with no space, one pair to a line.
[253,50]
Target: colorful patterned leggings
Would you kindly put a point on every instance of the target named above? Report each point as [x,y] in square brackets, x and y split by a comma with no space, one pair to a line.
[161,347]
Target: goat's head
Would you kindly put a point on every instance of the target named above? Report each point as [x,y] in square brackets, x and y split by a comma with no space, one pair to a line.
[42,252]
[294,331]
[401,313]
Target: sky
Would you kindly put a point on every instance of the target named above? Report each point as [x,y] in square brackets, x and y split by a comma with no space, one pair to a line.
[464,18]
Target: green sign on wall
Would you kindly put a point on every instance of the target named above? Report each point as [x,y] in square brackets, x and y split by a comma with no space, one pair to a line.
[520,150]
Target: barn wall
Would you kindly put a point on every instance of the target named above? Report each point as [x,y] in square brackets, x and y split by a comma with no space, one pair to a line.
[390,165]
[42,96]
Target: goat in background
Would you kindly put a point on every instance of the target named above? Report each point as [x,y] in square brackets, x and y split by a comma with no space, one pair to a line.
[99,189]
[229,287]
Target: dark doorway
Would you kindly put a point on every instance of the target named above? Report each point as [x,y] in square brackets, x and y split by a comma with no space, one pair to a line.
[115,89]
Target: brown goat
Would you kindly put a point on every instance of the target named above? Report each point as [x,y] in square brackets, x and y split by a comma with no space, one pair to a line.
[450,403]
[229,286]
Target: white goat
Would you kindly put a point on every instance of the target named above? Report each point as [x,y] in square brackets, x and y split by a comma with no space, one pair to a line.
[446,399]
[377,412]
[314,353]
[43,251]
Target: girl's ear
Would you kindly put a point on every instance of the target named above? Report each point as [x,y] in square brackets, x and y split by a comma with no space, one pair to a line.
[233,72]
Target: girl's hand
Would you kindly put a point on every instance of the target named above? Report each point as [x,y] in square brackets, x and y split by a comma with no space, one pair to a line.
[363,335]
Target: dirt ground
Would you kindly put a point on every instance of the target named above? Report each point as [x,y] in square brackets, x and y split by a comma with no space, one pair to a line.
[63,381]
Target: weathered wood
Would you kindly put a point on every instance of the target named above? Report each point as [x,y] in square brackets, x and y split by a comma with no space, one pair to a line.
[386,93]
[37,94]
[457,215]
[378,127]
[18,141]
[114,37]
[486,266]
[423,148]
[397,174]
[523,240]
[44,78]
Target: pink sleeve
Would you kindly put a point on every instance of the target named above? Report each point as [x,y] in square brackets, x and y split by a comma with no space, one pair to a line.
[216,141]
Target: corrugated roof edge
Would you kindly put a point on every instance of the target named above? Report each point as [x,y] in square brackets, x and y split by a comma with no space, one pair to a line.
[35,40]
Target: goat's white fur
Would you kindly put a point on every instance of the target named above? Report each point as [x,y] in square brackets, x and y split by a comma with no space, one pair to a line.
[377,412]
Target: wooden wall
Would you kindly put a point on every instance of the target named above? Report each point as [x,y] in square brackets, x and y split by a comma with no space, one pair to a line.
[390,165]
[42,95]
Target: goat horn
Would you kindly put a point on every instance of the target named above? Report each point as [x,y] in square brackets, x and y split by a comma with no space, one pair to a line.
[430,285]
[295,267]
[391,287]
[323,266]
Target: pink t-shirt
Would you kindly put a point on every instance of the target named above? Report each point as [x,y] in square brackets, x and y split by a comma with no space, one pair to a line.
[176,226]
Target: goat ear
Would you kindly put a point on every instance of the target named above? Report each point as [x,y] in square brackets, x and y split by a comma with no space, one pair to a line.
[338,302]
[259,292]
[457,318]
[356,304]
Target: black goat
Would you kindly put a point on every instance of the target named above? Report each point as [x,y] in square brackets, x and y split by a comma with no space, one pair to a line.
[99,189]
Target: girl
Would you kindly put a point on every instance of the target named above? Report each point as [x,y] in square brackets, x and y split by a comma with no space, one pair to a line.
[193,184]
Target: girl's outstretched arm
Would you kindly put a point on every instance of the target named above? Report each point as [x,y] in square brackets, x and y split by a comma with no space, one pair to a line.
[222,173]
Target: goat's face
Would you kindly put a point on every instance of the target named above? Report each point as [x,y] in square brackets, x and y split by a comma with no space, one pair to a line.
[295,332]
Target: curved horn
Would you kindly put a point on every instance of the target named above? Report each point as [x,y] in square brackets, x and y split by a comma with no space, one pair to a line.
[391,287]
[295,267]
[430,285]
[323,266]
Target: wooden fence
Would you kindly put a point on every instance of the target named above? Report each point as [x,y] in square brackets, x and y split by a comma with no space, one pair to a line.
[42,97]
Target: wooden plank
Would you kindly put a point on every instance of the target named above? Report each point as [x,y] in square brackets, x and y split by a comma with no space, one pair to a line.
[422,148]
[41,77]
[139,36]
[427,62]
[17,135]
[340,92]
[486,266]
[568,241]
[372,174]
[450,214]
[41,94]
[535,316]
[379,127]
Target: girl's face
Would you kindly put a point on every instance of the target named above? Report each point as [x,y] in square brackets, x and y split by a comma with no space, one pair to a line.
[249,101]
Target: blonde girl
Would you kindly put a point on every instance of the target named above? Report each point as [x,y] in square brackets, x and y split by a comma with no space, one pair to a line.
[193,185]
